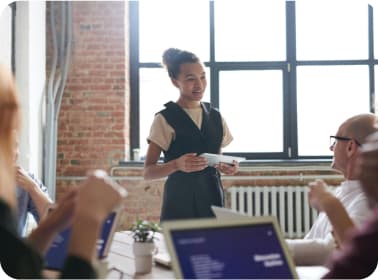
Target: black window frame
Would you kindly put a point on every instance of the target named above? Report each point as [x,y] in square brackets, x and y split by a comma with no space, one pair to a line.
[288,67]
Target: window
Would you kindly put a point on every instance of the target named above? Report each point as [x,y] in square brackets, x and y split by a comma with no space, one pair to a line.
[283,79]
[6,31]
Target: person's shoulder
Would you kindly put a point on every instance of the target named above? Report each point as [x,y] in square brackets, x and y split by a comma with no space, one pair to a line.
[167,106]
[209,107]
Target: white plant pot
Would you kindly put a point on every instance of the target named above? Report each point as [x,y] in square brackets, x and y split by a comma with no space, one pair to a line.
[143,252]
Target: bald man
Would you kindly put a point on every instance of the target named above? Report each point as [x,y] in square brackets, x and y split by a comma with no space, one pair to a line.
[342,209]
[359,256]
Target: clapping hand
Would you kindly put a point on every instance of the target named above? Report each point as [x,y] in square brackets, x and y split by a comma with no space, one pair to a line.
[318,196]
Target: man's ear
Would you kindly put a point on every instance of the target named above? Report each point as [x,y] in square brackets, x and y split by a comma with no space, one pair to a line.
[174,82]
[352,148]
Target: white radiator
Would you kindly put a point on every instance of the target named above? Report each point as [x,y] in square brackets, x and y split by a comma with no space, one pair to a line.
[288,203]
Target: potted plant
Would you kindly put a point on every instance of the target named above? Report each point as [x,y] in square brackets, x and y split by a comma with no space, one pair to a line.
[144,247]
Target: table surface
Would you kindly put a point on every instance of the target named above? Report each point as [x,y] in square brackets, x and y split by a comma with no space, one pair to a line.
[121,259]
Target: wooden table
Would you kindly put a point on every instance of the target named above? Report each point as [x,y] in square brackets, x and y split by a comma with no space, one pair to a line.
[121,259]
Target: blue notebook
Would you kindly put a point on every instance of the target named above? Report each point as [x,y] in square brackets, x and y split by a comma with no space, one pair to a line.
[56,254]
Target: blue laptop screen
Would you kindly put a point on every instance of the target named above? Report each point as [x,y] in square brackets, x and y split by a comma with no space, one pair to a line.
[57,252]
[248,251]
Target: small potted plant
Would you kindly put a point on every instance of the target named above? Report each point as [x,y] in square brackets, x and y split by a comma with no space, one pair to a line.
[144,247]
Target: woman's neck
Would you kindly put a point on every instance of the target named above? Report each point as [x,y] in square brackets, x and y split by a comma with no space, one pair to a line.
[188,105]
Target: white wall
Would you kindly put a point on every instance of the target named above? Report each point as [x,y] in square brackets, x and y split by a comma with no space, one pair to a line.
[5,35]
[30,52]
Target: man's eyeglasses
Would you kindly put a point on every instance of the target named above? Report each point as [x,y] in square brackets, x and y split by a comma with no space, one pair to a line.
[333,139]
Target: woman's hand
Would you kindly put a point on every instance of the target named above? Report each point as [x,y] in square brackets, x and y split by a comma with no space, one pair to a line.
[98,196]
[191,163]
[23,180]
[228,169]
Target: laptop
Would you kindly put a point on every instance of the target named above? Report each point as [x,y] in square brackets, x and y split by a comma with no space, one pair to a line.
[225,248]
[57,252]
[226,213]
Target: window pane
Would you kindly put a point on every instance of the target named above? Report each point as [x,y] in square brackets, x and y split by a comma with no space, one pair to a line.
[251,103]
[332,30]
[156,89]
[170,23]
[327,96]
[250,30]
[6,36]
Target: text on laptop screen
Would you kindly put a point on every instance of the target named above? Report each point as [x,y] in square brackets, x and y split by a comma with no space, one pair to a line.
[231,252]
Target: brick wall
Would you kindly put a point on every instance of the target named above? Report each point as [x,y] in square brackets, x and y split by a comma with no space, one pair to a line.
[93,121]
[93,127]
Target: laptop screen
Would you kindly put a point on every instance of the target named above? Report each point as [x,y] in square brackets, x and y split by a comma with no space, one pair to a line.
[249,250]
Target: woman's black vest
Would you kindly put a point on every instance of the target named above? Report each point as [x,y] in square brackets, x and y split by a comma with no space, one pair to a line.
[189,138]
[190,195]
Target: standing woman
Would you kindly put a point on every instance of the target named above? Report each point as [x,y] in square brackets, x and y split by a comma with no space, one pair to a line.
[183,130]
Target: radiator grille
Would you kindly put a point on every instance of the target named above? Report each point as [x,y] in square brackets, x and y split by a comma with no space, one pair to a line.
[288,203]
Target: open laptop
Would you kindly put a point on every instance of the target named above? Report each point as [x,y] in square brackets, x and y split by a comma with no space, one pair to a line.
[225,248]
[304,272]
[226,213]
[56,254]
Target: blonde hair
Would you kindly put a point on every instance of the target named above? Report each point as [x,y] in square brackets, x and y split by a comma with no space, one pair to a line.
[9,123]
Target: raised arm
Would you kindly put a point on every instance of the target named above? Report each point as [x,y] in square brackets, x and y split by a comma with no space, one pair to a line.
[36,190]
[98,196]
[325,201]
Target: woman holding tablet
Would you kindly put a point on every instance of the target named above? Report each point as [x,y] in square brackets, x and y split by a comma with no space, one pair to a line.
[182,131]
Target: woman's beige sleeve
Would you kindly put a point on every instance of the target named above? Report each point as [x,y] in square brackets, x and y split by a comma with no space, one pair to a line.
[227,136]
[161,133]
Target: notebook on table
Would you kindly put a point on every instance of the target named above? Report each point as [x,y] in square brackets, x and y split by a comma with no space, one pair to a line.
[225,248]
[57,252]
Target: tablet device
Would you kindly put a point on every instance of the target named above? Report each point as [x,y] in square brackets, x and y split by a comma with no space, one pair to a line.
[57,252]
[218,158]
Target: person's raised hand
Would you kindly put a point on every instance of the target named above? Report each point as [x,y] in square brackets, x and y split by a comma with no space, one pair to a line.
[23,180]
[59,216]
[99,195]
[319,197]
